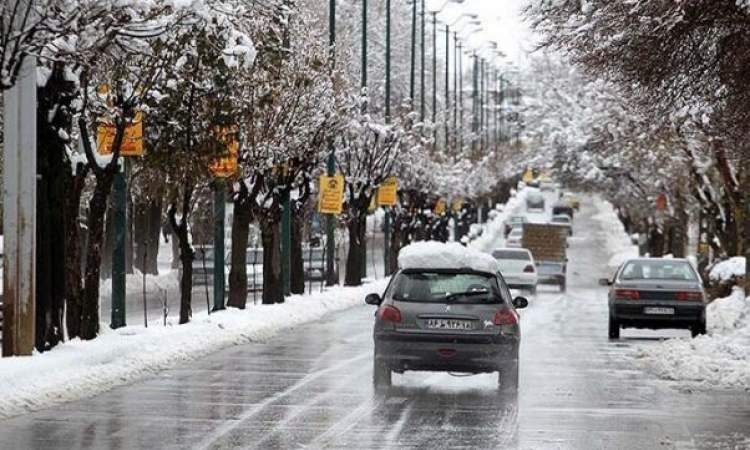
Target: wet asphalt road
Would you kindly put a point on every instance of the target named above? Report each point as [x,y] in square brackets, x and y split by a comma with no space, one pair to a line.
[310,387]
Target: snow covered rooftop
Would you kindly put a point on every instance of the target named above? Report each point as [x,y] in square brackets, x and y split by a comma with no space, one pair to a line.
[437,255]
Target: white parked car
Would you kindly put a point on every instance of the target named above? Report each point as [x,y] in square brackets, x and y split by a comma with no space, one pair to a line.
[514,238]
[517,267]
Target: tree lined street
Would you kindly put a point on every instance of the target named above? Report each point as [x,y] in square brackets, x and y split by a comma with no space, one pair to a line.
[311,386]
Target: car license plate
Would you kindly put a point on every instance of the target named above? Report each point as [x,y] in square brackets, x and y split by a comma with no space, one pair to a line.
[449,324]
[655,310]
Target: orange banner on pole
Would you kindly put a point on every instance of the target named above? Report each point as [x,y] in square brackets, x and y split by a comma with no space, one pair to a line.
[387,192]
[331,196]
[132,139]
[226,165]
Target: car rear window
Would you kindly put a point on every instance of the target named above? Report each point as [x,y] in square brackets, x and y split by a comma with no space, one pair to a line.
[658,270]
[440,287]
[511,254]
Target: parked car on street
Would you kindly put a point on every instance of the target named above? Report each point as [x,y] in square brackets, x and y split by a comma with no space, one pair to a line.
[517,268]
[514,222]
[535,202]
[656,293]
[515,238]
[563,208]
[563,219]
[447,309]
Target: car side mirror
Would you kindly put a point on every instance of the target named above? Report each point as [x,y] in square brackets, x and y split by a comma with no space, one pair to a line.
[520,302]
[605,282]
[373,299]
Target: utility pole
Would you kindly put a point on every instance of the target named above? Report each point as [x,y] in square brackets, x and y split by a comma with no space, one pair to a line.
[387,217]
[19,200]
[474,105]
[412,72]
[219,214]
[331,278]
[455,93]
[446,118]
[119,205]
[434,77]
[421,81]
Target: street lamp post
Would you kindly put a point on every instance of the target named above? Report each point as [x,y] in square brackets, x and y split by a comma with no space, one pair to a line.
[387,218]
[421,77]
[331,278]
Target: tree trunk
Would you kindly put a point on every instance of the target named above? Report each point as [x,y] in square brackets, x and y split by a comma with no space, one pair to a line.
[95,221]
[146,231]
[73,246]
[354,256]
[273,291]
[297,263]
[238,270]
[52,171]
[187,255]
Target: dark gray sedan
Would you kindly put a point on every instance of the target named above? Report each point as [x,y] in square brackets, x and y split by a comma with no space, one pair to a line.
[453,320]
[656,293]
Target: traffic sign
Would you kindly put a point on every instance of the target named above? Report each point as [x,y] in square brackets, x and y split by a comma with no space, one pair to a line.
[387,192]
[132,139]
[331,197]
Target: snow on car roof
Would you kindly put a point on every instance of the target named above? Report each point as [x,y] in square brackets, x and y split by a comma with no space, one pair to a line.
[438,255]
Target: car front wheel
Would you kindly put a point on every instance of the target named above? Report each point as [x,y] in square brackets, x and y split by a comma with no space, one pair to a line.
[614,329]
[381,375]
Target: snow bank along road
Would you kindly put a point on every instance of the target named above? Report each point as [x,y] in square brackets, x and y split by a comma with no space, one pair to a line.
[310,387]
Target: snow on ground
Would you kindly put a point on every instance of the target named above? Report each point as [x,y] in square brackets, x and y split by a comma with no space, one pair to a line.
[726,270]
[494,229]
[77,369]
[618,241]
[721,358]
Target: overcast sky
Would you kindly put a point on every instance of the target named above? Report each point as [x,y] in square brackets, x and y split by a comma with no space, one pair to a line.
[501,22]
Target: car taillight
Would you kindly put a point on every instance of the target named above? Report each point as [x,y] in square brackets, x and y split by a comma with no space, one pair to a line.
[627,294]
[388,313]
[505,317]
[689,295]
[529,269]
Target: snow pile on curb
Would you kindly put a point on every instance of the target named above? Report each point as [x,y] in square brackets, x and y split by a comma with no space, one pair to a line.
[494,229]
[78,369]
[451,255]
[617,240]
[727,270]
[721,358]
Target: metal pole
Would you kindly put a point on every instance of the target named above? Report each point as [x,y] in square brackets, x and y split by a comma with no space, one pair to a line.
[219,214]
[286,241]
[387,224]
[19,224]
[446,117]
[331,278]
[461,97]
[474,105]
[387,61]
[422,75]
[364,43]
[413,52]
[455,93]
[434,76]
[481,107]
[119,204]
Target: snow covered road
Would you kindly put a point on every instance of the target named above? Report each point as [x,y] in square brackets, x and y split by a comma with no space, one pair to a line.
[310,387]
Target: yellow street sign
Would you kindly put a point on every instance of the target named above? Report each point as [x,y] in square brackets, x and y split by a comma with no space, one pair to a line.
[528,175]
[387,192]
[457,205]
[132,139]
[331,197]
[226,165]
[440,207]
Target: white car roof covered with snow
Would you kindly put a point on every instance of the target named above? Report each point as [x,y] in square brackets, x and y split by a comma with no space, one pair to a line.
[438,255]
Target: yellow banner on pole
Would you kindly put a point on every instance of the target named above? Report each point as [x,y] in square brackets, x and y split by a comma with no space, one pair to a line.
[387,192]
[331,197]
[457,205]
[226,165]
[528,175]
[440,207]
[132,139]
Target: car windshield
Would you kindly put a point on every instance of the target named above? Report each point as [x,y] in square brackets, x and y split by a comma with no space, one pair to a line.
[511,254]
[658,270]
[434,287]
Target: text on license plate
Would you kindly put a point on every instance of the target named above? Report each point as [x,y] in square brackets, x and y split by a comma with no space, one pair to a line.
[655,310]
[449,324]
